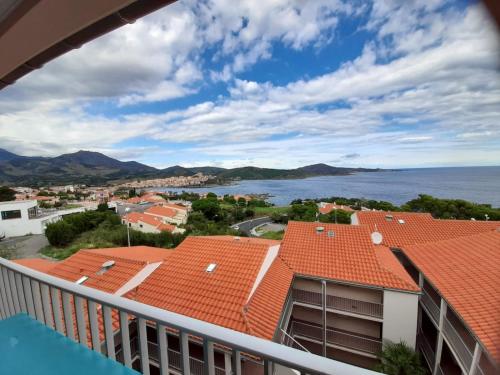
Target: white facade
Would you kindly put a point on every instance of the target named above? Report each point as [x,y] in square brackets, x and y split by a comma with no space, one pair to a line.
[144,227]
[400,317]
[20,218]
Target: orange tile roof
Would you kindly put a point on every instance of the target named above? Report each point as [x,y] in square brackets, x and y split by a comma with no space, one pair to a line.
[174,206]
[182,284]
[135,200]
[388,260]
[144,254]
[347,256]
[38,264]
[154,221]
[466,271]
[266,304]
[161,211]
[329,207]
[418,228]
[89,262]
[256,240]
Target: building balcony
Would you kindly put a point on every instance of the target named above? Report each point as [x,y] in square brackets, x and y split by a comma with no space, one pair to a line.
[457,344]
[431,306]
[336,337]
[369,309]
[426,348]
[94,319]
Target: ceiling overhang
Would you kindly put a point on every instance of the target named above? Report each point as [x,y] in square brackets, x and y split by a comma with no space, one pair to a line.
[33,32]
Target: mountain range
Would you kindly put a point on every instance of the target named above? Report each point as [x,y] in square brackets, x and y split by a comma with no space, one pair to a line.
[94,168]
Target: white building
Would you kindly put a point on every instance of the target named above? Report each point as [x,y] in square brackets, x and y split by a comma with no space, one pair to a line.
[19,218]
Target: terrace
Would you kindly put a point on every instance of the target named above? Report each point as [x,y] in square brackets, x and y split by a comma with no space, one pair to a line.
[89,328]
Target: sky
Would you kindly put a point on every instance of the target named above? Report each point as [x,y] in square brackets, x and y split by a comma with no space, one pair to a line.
[277,84]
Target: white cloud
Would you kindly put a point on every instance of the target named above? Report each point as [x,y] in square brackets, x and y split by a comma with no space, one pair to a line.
[427,85]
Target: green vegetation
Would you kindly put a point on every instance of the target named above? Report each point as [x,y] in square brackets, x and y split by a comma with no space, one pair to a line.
[438,208]
[94,229]
[399,359]
[452,208]
[211,216]
[7,194]
[273,235]
[336,216]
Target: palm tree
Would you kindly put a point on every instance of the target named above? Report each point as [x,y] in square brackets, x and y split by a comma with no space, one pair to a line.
[399,359]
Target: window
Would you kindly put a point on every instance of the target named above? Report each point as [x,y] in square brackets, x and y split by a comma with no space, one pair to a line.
[32,212]
[14,214]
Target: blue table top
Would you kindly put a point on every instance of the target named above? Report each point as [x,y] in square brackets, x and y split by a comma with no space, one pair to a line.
[29,347]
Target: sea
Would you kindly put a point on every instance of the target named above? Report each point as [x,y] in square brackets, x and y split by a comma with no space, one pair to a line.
[475,184]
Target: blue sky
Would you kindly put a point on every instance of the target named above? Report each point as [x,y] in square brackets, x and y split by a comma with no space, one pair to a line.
[276,84]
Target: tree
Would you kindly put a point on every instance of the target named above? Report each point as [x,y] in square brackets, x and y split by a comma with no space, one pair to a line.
[242,202]
[209,207]
[336,216]
[229,199]
[7,194]
[211,196]
[102,207]
[132,193]
[399,359]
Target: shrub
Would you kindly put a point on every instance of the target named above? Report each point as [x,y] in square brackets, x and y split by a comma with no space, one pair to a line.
[399,359]
[60,233]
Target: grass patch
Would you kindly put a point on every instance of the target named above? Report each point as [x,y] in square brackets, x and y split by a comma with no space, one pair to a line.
[273,235]
[268,211]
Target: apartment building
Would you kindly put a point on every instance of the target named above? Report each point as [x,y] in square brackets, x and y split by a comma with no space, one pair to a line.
[459,325]
[348,296]
[455,262]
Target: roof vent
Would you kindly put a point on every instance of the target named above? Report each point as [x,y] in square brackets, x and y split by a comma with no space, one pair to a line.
[106,266]
[330,233]
[81,280]
[320,230]
[401,221]
[236,238]
[376,238]
[211,267]
[388,217]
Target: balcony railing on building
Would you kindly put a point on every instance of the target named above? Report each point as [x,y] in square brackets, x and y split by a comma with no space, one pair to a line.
[339,303]
[426,349]
[336,337]
[430,306]
[75,311]
[456,342]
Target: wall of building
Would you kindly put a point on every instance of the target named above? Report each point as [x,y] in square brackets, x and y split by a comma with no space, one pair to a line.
[309,285]
[354,219]
[354,292]
[22,225]
[400,317]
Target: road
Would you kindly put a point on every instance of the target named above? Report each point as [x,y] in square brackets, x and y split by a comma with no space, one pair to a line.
[247,226]
[26,246]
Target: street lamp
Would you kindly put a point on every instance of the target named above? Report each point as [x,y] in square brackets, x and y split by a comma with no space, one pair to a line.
[127,210]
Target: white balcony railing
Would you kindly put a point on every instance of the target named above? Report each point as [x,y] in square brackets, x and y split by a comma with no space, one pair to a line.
[431,306]
[337,337]
[73,310]
[427,350]
[458,345]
